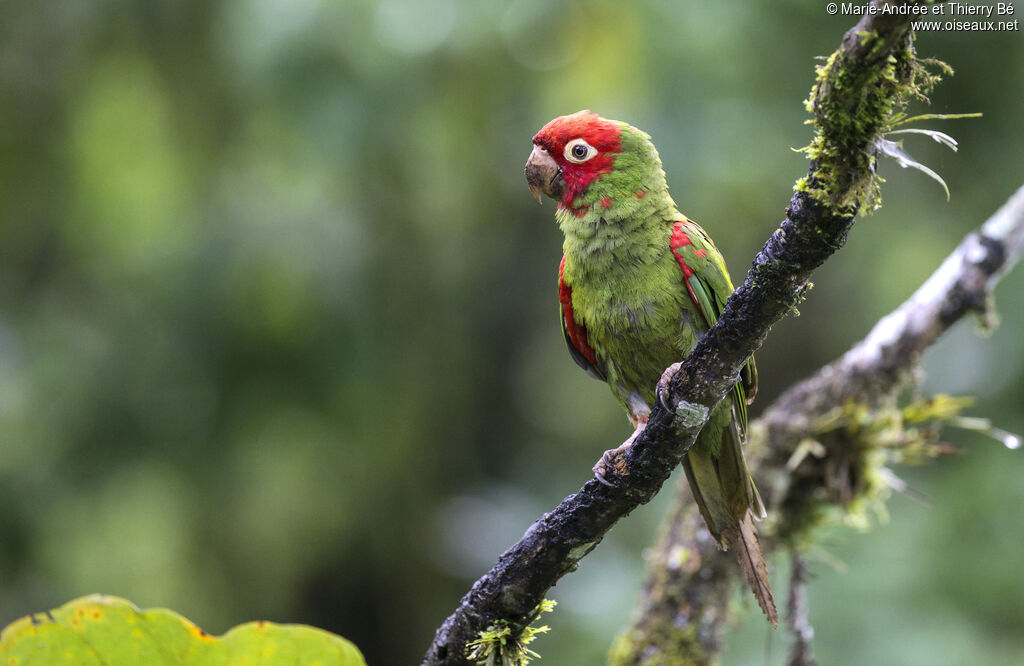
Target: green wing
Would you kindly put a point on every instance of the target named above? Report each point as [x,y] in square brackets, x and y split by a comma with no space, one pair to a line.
[718,476]
[707,280]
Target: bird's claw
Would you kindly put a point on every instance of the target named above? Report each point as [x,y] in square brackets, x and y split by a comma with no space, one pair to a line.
[603,465]
[612,460]
[662,388]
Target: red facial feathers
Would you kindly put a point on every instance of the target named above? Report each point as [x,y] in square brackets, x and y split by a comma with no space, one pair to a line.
[604,135]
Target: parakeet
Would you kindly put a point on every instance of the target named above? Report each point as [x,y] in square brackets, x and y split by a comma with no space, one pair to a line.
[638,284]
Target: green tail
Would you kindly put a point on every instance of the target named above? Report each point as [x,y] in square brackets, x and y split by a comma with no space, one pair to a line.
[729,503]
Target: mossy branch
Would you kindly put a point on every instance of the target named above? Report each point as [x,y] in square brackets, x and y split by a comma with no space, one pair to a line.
[815,227]
[860,94]
[840,417]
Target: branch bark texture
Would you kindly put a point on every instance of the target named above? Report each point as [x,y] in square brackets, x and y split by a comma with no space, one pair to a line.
[684,602]
[879,363]
[863,83]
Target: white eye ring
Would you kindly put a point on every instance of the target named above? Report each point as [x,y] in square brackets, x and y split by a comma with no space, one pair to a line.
[578,151]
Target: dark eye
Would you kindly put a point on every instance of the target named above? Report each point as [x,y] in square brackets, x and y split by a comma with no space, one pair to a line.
[579,151]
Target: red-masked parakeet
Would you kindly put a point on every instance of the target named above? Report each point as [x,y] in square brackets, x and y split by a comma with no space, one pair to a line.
[639,283]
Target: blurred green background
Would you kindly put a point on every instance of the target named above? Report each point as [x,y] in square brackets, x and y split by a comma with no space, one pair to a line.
[278,332]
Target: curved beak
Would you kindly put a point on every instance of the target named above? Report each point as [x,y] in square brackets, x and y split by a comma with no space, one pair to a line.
[543,175]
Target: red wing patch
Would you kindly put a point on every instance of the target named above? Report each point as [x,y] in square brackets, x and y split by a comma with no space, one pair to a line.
[680,239]
[576,333]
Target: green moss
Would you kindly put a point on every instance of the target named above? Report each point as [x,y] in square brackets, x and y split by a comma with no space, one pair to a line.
[851,449]
[680,647]
[664,636]
[501,644]
[854,103]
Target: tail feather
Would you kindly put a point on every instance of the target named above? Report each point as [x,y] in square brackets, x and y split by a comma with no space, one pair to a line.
[729,503]
[751,559]
[756,503]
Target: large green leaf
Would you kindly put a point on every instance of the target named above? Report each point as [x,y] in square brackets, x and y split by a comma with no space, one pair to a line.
[107,631]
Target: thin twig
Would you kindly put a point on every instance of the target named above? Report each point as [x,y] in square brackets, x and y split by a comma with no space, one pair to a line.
[800,653]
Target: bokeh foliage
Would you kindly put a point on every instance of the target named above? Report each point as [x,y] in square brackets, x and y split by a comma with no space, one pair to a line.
[277,313]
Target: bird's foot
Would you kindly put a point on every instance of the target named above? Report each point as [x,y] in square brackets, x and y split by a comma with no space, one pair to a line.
[662,388]
[611,460]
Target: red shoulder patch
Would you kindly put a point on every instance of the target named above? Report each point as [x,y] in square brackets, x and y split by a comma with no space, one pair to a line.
[577,333]
[680,239]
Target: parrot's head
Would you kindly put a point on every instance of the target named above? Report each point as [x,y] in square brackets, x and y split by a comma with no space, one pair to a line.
[573,152]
